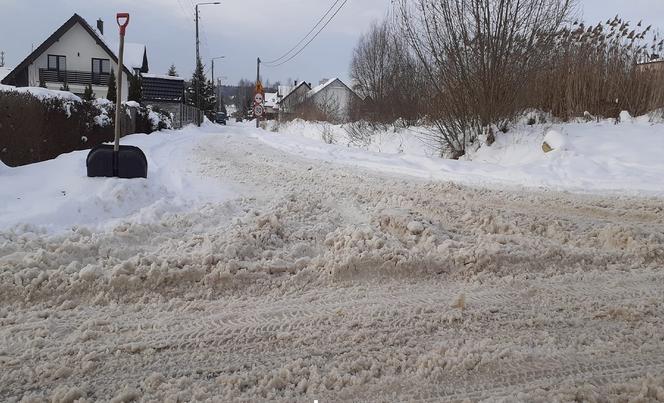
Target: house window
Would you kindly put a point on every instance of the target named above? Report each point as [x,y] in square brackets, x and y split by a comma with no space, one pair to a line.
[101,68]
[58,63]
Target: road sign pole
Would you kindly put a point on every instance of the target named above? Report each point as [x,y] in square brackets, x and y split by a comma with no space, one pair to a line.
[258,81]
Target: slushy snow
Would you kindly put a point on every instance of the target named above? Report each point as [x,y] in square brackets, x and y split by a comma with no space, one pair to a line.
[261,266]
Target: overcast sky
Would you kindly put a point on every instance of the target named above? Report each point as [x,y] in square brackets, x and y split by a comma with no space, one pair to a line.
[241,30]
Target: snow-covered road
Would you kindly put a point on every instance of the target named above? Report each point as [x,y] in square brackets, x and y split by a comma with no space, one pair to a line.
[311,280]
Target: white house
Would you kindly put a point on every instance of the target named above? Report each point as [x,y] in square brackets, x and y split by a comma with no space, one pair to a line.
[78,55]
[334,98]
[290,97]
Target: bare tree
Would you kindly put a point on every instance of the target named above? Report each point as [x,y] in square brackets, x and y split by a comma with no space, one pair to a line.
[478,55]
[386,74]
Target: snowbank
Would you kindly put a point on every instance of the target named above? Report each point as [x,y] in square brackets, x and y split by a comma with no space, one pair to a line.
[57,195]
[388,140]
[587,157]
[42,93]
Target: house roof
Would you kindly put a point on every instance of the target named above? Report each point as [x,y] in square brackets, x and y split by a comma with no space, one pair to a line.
[135,56]
[326,84]
[162,76]
[284,90]
[295,88]
[55,37]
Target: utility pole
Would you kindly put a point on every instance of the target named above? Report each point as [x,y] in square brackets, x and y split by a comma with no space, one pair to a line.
[214,83]
[258,80]
[198,56]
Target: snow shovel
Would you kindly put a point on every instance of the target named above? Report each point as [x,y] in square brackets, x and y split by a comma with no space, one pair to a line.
[116,160]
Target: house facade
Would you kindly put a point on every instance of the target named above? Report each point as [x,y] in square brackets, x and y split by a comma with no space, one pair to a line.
[293,97]
[333,98]
[78,55]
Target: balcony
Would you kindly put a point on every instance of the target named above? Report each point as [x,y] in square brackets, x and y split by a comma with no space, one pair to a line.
[73,77]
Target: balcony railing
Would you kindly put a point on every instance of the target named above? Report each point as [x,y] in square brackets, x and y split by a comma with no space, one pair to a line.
[73,77]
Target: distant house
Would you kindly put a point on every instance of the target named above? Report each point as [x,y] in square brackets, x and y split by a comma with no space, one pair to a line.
[4,72]
[293,97]
[271,105]
[334,98]
[331,98]
[167,93]
[655,65]
[78,55]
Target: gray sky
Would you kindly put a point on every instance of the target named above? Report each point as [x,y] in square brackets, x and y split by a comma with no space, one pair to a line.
[241,30]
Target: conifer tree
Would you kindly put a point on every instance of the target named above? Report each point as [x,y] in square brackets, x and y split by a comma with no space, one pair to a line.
[88,95]
[172,72]
[112,88]
[200,92]
[135,91]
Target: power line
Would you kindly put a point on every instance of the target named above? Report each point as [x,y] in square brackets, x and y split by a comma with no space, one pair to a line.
[183,10]
[306,36]
[312,39]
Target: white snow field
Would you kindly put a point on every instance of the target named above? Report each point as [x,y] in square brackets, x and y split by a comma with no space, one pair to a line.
[261,266]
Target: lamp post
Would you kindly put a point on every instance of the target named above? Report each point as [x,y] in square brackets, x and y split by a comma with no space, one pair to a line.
[216,104]
[198,53]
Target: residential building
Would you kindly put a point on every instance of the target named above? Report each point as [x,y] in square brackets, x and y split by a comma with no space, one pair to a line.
[333,98]
[294,97]
[78,55]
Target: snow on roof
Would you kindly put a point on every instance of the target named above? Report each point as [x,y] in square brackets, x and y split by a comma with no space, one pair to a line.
[271,99]
[162,76]
[4,71]
[321,87]
[41,93]
[292,89]
[284,90]
[133,54]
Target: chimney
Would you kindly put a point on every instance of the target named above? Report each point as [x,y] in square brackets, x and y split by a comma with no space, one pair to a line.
[100,26]
[295,84]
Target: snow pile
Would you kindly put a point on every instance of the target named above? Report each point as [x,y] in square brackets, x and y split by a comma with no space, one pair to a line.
[388,139]
[42,93]
[590,157]
[132,104]
[556,140]
[57,195]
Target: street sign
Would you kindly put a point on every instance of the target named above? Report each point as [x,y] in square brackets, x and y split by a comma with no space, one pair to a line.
[258,110]
[258,99]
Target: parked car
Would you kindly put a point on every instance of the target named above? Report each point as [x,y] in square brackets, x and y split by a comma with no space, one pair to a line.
[221,118]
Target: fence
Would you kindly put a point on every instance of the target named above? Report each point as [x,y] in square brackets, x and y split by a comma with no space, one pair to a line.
[182,114]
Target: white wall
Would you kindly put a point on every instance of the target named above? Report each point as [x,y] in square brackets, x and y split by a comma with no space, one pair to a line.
[79,48]
[295,98]
[335,98]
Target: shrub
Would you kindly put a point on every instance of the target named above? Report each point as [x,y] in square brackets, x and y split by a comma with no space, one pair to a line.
[33,130]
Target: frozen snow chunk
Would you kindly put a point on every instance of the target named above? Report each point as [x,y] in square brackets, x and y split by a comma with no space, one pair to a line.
[554,140]
[625,117]
[67,394]
[91,272]
[127,395]
[415,227]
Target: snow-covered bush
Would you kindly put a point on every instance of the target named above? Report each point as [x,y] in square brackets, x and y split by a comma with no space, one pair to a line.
[37,124]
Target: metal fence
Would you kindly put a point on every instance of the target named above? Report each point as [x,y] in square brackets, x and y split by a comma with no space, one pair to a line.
[190,114]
